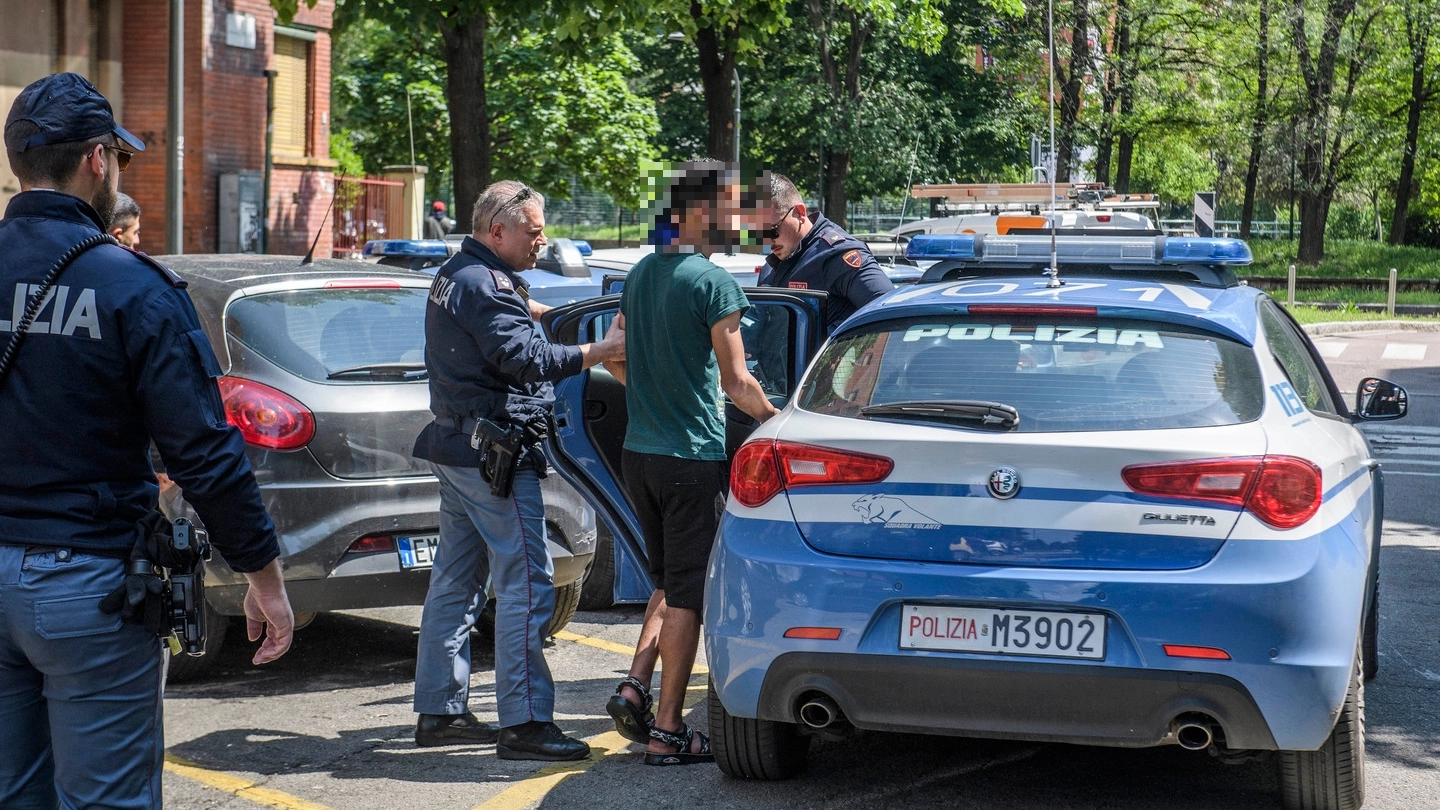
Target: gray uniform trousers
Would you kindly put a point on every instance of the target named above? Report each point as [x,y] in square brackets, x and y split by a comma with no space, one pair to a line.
[504,537]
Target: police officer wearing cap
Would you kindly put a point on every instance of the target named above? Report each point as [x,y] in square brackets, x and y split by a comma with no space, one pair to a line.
[491,370]
[813,253]
[113,359]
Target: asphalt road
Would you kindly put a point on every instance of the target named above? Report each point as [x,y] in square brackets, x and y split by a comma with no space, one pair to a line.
[330,725]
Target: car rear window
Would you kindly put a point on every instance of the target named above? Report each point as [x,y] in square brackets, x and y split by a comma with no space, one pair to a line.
[1060,374]
[316,333]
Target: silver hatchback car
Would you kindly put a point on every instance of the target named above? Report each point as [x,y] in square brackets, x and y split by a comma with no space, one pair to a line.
[324,374]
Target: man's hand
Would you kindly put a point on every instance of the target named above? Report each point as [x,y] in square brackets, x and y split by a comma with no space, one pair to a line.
[268,613]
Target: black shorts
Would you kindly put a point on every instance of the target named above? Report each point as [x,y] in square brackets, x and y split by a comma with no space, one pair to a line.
[678,503]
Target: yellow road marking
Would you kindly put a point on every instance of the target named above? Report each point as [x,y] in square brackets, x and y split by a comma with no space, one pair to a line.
[611,646]
[524,793]
[238,786]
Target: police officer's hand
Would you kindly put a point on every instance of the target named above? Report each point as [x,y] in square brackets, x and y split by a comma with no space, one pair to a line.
[268,613]
[607,349]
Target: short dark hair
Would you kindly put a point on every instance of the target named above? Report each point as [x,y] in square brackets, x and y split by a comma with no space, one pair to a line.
[52,163]
[124,212]
[783,193]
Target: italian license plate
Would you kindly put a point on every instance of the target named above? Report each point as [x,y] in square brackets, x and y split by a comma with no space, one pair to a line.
[1050,634]
[417,551]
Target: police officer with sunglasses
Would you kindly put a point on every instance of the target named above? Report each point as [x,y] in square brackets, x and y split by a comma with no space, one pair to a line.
[112,358]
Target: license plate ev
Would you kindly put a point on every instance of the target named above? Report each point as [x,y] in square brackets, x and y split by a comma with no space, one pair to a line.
[1039,633]
[417,551]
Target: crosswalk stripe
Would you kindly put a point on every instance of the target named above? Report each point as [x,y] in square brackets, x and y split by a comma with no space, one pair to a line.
[1403,351]
[1331,349]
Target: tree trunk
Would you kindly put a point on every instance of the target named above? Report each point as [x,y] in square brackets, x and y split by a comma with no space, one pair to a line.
[1109,94]
[1126,70]
[1318,76]
[469,114]
[1260,121]
[717,79]
[1071,89]
[1419,32]
[837,204]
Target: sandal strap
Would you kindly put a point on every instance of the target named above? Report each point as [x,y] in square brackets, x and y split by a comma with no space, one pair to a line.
[643,689]
[680,739]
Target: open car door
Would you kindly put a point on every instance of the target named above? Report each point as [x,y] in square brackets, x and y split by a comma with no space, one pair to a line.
[782,330]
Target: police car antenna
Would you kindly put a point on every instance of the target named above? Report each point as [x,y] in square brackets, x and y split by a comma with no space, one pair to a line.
[310,254]
[909,178]
[1054,271]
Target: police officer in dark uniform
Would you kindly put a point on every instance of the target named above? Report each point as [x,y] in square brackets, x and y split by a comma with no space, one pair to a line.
[491,370]
[817,254]
[113,358]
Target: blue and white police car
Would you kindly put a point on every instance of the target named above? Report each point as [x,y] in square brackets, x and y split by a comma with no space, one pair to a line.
[559,277]
[1120,504]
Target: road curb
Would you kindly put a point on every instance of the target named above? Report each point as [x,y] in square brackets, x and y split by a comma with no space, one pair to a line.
[1346,327]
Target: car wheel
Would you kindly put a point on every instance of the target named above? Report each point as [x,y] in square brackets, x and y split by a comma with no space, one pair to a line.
[755,749]
[599,590]
[185,667]
[567,599]
[1332,778]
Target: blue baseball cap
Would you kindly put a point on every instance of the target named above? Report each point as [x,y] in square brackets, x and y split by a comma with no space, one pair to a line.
[67,108]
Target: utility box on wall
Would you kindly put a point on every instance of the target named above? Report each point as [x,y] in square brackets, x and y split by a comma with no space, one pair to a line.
[241,204]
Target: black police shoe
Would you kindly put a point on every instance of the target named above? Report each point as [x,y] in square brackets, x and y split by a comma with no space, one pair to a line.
[536,740]
[454,729]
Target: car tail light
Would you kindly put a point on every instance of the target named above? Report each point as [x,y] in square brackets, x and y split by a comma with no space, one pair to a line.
[763,469]
[1282,491]
[1102,218]
[266,417]
[372,544]
[816,633]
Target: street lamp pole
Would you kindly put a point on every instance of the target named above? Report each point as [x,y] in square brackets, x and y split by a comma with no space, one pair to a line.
[737,115]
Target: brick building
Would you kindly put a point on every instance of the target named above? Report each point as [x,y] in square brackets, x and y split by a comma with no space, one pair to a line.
[123,46]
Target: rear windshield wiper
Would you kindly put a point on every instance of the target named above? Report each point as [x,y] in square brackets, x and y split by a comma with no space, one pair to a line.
[988,414]
[382,371]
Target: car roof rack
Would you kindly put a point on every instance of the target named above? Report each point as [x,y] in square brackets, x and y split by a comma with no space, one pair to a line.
[1196,260]
[977,197]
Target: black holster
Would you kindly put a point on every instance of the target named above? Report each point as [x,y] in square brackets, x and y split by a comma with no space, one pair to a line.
[164,586]
[503,449]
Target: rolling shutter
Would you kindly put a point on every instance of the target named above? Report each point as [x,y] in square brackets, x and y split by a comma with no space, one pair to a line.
[292,94]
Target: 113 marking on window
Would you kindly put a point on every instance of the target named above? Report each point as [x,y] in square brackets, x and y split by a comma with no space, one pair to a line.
[1289,400]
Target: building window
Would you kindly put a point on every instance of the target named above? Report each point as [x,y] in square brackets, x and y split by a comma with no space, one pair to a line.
[292,95]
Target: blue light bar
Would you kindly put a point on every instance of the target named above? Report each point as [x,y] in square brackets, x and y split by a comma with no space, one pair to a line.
[583,246]
[405,247]
[1205,250]
[941,246]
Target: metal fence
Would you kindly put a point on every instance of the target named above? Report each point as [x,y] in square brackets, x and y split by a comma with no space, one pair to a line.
[1259,229]
[365,209]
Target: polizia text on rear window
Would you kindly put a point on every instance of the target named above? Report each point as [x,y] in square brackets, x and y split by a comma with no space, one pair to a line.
[1059,374]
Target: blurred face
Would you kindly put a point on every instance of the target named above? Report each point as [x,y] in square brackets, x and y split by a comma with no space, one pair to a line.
[788,225]
[519,245]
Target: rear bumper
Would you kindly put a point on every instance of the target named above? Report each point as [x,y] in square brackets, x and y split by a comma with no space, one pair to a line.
[1286,611]
[1012,699]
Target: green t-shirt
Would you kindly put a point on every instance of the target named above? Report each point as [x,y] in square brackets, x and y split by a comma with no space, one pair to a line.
[672,380]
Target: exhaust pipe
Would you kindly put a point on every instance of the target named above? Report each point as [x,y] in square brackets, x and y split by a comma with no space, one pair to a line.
[819,712]
[1193,732]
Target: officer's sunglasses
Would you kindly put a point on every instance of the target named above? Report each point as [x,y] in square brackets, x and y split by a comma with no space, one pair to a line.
[520,197]
[122,156]
[773,232]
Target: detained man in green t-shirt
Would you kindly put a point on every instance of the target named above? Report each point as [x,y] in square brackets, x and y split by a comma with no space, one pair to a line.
[681,316]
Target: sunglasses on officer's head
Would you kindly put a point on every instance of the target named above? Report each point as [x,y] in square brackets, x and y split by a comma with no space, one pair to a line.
[122,156]
[520,197]
[773,232]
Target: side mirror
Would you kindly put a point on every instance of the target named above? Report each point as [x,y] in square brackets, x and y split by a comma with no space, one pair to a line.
[1378,399]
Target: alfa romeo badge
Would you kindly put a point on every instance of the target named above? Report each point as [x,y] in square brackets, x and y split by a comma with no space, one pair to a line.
[1004,483]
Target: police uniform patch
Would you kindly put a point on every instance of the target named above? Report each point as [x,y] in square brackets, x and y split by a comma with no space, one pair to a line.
[832,236]
[502,281]
[798,285]
[853,258]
